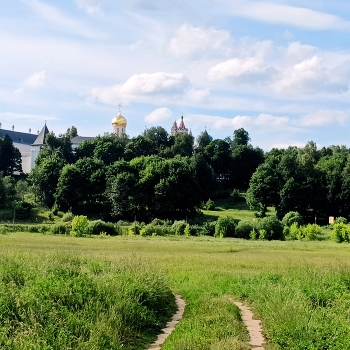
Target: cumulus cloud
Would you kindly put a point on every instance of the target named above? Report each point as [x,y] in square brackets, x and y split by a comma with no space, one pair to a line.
[310,76]
[288,15]
[145,86]
[297,52]
[35,81]
[158,115]
[324,117]
[250,70]
[195,42]
[90,6]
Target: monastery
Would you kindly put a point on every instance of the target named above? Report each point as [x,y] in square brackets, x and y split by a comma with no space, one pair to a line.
[30,144]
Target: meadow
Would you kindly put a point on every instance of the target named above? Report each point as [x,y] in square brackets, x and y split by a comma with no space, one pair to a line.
[300,290]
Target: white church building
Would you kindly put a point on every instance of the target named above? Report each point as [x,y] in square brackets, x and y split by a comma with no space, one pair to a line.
[30,144]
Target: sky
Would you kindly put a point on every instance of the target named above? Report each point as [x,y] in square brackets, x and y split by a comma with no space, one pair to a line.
[277,68]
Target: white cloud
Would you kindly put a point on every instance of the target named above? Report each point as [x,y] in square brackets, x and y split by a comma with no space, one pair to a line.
[61,21]
[92,7]
[140,86]
[197,96]
[158,115]
[297,52]
[324,117]
[250,70]
[309,76]
[196,42]
[35,81]
[288,15]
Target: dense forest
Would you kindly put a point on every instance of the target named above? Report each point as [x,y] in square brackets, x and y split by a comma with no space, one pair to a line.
[156,175]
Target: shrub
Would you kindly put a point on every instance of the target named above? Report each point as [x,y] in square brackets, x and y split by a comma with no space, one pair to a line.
[292,217]
[340,220]
[341,233]
[67,217]
[148,230]
[190,230]
[311,231]
[295,231]
[61,229]
[3,230]
[254,234]
[98,226]
[134,229]
[22,210]
[209,205]
[80,226]
[178,227]
[160,222]
[273,228]
[208,228]
[243,229]
[225,227]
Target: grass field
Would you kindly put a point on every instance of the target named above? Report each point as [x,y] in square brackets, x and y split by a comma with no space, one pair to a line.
[300,290]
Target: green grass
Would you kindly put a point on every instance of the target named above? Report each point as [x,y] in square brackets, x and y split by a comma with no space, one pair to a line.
[59,301]
[228,207]
[300,290]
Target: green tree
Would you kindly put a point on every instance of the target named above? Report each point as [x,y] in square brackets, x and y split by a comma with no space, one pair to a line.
[240,138]
[44,178]
[10,157]
[203,140]
[81,187]
[264,188]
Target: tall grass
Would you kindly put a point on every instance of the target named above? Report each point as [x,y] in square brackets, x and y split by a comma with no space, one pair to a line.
[299,289]
[58,301]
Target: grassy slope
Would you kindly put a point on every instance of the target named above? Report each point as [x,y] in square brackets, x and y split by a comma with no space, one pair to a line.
[228,207]
[300,290]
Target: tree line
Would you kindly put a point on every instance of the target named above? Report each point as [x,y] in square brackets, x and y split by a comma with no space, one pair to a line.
[151,175]
[315,183]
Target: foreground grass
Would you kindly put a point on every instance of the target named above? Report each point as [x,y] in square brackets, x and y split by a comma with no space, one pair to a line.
[57,301]
[300,290]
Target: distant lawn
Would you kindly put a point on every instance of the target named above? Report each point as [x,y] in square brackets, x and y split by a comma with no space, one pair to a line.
[229,207]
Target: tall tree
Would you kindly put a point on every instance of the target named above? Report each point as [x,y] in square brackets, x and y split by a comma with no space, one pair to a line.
[10,157]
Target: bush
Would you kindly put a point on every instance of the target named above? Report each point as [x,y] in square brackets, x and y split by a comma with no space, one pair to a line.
[209,205]
[295,231]
[243,229]
[273,228]
[67,217]
[22,210]
[160,222]
[292,217]
[134,229]
[98,226]
[225,227]
[61,229]
[190,230]
[311,231]
[80,226]
[148,230]
[340,220]
[208,228]
[178,227]
[341,233]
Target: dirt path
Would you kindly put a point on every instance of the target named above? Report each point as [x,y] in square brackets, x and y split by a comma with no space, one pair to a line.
[170,325]
[253,326]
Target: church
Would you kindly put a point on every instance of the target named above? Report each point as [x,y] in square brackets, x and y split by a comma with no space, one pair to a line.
[30,144]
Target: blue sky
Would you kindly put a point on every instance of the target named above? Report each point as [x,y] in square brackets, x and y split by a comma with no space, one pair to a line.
[277,68]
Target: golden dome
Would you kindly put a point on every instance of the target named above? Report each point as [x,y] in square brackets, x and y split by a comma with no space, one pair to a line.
[119,120]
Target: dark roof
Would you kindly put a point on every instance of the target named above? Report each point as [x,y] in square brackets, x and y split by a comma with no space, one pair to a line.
[40,139]
[19,137]
[77,140]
